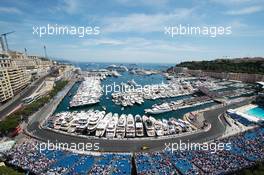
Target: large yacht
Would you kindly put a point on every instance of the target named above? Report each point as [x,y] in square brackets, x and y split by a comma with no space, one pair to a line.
[149,125]
[130,127]
[172,128]
[121,126]
[139,126]
[73,124]
[83,119]
[94,120]
[165,127]
[102,125]
[111,128]
[159,128]
[157,109]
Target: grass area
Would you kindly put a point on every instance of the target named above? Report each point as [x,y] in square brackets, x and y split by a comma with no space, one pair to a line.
[251,67]
[13,120]
[9,171]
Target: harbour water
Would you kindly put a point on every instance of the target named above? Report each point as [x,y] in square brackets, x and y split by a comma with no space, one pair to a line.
[106,100]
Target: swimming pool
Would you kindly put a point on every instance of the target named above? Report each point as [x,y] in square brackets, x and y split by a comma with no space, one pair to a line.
[257,112]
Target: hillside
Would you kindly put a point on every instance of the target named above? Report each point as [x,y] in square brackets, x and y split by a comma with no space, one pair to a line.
[238,65]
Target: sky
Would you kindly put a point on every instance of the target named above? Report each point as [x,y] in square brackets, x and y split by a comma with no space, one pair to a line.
[134,30]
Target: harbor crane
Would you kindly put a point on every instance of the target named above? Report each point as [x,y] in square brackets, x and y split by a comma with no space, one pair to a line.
[3,40]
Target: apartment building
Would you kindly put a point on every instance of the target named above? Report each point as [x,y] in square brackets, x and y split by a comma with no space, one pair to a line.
[35,66]
[6,91]
[12,78]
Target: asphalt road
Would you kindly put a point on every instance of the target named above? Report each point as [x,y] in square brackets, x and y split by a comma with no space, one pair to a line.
[130,145]
[30,89]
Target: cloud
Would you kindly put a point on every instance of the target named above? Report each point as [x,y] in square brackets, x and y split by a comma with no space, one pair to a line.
[10,10]
[152,3]
[245,11]
[142,44]
[141,22]
[230,1]
[105,41]
[68,6]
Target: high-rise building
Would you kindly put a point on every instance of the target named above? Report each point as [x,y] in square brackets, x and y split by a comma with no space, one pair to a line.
[12,78]
[6,91]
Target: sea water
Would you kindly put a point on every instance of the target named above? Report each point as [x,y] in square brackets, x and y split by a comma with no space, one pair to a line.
[106,99]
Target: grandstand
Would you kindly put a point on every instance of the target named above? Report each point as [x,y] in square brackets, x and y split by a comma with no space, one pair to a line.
[246,150]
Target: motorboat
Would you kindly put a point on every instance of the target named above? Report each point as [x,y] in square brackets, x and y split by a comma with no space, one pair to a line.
[149,125]
[158,125]
[94,120]
[102,125]
[139,126]
[111,128]
[130,127]
[121,126]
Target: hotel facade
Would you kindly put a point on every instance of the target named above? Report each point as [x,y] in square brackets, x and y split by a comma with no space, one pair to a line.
[16,71]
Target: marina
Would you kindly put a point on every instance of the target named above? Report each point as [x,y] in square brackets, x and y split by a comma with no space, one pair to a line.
[152,107]
[99,124]
[179,90]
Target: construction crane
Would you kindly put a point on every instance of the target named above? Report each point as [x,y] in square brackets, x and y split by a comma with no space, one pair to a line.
[4,42]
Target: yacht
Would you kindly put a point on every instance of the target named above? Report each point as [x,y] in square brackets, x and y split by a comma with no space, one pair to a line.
[102,125]
[187,124]
[82,124]
[68,117]
[64,125]
[130,127]
[73,125]
[94,120]
[158,125]
[165,127]
[172,129]
[121,127]
[111,128]
[179,127]
[149,125]
[57,123]
[139,126]
[157,109]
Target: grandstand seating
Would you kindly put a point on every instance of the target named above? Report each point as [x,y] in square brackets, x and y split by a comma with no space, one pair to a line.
[246,149]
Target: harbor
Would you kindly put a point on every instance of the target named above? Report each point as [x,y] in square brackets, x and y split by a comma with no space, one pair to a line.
[156,111]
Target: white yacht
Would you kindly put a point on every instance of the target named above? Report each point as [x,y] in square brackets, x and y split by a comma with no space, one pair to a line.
[130,127]
[121,126]
[102,125]
[157,109]
[73,125]
[111,128]
[139,126]
[83,119]
[159,128]
[149,125]
[165,127]
[94,120]
[64,125]
[178,126]
[172,128]
[57,123]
